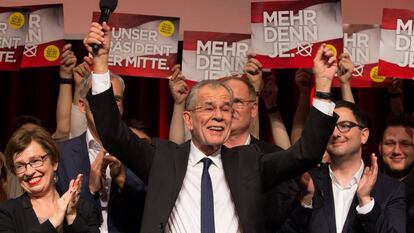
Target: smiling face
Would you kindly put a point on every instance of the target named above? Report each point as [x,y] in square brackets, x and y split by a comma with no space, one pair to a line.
[397,149]
[346,144]
[35,181]
[209,118]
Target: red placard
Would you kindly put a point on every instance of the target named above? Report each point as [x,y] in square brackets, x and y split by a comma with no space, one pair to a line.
[213,55]
[13,30]
[143,45]
[287,34]
[397,44]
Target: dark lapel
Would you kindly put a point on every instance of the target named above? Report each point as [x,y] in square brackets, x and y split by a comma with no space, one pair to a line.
[181,161]
[324,184]
[82,157]
[350,218]
[230,163]
[30,217]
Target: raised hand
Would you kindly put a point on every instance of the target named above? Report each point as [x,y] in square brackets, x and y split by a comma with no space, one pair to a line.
[253,71]
[100,35]
[67,62]
[61,206]
[178,87]
[325,67]
[117,170]
[346,68]
[74,189]
[367,182]
[96,177]
[82,70]
[270,91]
[307,188]
[303,80]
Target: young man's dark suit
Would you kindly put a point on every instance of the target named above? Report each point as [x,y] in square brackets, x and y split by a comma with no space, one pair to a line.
[125,207]
[248,172]
[388,214]
[18,216]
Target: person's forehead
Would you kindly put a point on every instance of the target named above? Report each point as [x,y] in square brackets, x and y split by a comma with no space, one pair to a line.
[399,132]
[213,94]
[238,87]
[32,150]
[345,114]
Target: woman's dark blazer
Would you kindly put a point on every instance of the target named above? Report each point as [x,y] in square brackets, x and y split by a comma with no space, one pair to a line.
[17,215]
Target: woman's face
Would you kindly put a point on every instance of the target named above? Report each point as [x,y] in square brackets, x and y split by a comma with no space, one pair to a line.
[35,178]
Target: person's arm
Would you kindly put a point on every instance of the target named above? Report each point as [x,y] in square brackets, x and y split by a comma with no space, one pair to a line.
[179,92]
[394,93]
[303,79]
[346,68]
[253,71]
[279,132]
[78,118]
[63,108]
[373,216]
[300,215]
[116,137]
[81,217]
[307,152]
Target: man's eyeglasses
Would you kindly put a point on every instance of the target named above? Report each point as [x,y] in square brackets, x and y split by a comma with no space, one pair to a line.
[346,126]
[209,109]
[34,163]
[241,103]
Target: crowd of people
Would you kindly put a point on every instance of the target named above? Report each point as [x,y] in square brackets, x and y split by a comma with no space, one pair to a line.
[97,173]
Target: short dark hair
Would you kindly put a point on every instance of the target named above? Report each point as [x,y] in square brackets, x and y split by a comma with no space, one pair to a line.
[21,120]
[359,115]
[403,120]
[22,138]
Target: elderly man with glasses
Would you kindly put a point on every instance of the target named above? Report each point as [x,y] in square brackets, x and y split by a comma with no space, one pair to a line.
[202,186]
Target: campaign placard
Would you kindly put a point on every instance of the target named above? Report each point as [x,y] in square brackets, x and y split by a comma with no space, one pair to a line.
[213,55]
[45,36]
[287,34]
[361,42]
[13,29]
[143,45]
[397,43]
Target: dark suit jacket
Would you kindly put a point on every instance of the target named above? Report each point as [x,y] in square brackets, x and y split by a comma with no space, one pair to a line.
[17,215]
[248,171]
[281,199]
[388,214]
[410,220]
[409,189]
[125,206]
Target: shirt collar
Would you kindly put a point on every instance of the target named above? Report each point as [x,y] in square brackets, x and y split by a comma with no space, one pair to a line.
[248,140]
[196,155]
[355,178]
